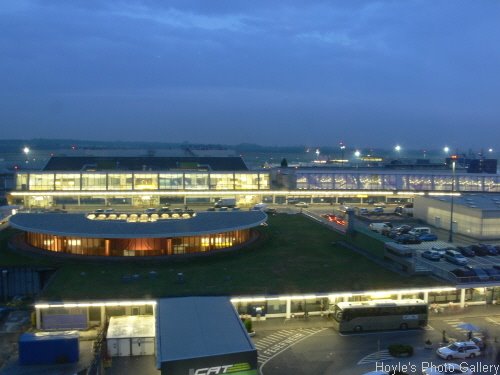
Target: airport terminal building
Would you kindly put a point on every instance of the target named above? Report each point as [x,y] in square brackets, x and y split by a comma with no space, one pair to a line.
[90,182]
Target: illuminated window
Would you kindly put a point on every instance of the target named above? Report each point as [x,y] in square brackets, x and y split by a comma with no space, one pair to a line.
[67,181]
[196,181]
[121,181]
[145,181]
[93,181]
[41,181]
[221,181]
[171,181]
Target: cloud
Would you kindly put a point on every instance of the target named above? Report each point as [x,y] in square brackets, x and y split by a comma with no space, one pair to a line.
[181,19]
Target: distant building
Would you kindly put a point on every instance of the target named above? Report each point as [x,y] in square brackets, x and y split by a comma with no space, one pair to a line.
[474,215]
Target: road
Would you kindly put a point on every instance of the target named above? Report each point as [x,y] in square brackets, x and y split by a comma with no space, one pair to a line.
[323,351]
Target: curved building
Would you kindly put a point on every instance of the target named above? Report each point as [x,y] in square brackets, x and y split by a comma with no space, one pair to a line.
[126,234]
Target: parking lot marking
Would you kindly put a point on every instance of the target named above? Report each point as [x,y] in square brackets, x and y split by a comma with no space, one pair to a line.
[382,355]
[274,344]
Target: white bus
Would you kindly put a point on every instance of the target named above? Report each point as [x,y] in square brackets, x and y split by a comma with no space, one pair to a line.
[380,315]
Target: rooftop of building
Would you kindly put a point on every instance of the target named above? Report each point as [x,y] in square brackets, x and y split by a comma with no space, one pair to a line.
[144,163]
[212,320]
[484,202]
[79,225]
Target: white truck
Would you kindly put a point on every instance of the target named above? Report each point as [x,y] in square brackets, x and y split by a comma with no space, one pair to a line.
[225,202]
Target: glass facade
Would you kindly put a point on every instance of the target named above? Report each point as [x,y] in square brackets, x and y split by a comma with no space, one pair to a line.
[94,181]
[390,181]
[67,181]
[138,246]
[141,181]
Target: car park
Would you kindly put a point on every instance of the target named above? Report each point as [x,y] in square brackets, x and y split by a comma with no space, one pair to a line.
[428,237]
[455,257]
[447,369]
[464,349]
[466,251]
[431,255]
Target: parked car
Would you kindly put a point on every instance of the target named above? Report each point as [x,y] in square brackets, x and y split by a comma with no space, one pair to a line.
[431,255]
[489,248]
[479,250]
[481,275]
[301,205]
[363,211]
[418,231]
[392,233]
[447,369]
[465,273]
[466,251]
[428,237]
[459,349]
[379,227]
[479,342]
[403,229]
[378,210]
[455,257]
[407,239]
[493,273]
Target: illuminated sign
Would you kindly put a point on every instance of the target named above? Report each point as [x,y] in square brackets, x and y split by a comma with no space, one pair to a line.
[226,369]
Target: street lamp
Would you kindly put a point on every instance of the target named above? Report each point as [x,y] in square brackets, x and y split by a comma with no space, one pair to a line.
[342,148]
[446,150]
[450,238]
[357,154]
[26,151]
[317,154]
[397,149]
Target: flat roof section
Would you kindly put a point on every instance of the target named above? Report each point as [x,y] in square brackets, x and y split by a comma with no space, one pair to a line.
[77,225]
[484,202]
[197,327]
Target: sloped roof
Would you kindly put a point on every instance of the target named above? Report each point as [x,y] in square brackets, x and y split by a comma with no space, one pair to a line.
[144,163]
[77,225]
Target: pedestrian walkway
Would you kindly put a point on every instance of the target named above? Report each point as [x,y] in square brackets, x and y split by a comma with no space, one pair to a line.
[380,356]
[275,343]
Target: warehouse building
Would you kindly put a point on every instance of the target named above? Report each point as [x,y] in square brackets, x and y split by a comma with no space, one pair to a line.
[474,215]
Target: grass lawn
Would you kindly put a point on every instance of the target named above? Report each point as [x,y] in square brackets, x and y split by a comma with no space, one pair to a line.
[293,255]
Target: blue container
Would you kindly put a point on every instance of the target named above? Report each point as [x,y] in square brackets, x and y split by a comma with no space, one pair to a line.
[48,349]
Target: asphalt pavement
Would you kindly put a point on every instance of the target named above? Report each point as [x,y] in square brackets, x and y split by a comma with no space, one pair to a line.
[312,347]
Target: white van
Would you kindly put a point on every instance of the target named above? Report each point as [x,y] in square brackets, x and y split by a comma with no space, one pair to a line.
[418,231]
[379,227]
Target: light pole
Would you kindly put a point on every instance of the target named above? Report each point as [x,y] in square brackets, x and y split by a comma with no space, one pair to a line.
[398,150]
[357,154]
[26,151]
[317,154]
[342,148]
[450,238]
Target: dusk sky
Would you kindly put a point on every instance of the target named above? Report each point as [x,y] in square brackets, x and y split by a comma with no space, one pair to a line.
[368,73]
